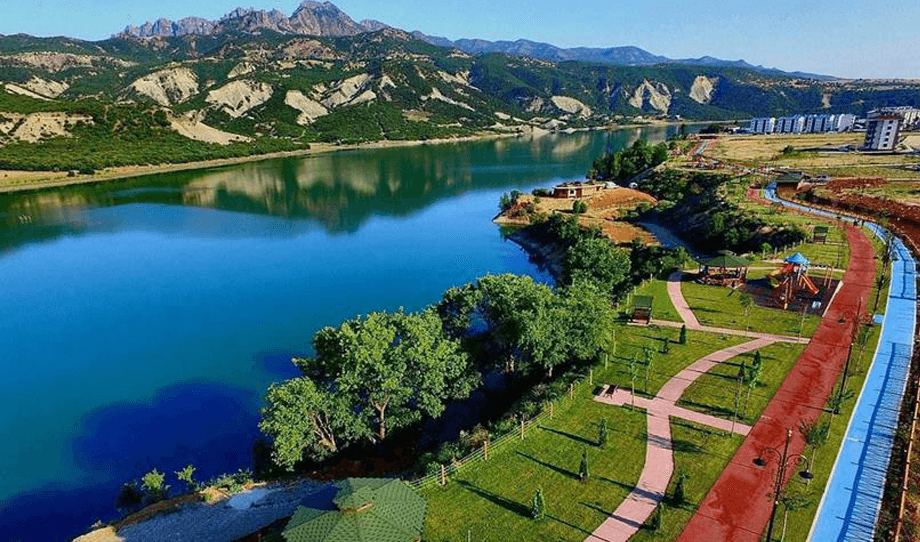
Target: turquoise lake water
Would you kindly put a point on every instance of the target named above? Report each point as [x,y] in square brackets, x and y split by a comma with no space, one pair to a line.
[142,320]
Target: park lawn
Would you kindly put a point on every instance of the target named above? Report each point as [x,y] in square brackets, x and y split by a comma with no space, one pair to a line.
[800,521]
[714,392]
[490,501]
[630,341]
[721,307]
[662,308]
[701,452]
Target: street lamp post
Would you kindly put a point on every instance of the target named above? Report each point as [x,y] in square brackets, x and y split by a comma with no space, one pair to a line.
[785,462]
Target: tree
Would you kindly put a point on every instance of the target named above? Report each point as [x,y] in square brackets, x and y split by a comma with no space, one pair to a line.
[457,308]
[583,467]
[302,417]
[596,260]
[589,322]
[683,335]
[153,484]
[393,367]
[792,502]
[602,433]
[654,520]
[507,307]
[752,377]
[538,505]
[758,359]
[815,434]
[680,492]
[747,305]
[186,475]
[764,249]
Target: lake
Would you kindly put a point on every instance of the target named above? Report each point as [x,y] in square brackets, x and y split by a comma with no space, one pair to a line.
[142,320]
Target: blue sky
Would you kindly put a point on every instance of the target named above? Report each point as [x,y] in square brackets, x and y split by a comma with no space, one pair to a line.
[844,38]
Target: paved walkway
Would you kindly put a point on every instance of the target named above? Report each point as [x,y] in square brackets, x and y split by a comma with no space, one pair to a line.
[737,508]
[677,298]
[659,456]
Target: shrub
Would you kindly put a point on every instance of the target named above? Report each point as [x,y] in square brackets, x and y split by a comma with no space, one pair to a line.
[153,485]
[538,505]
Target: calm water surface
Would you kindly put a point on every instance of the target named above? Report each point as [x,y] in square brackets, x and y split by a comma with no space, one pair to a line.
[142,320]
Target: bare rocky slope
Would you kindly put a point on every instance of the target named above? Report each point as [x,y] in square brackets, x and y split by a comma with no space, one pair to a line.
[281,82]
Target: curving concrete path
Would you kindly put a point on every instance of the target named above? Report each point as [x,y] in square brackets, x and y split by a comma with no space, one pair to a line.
[659,456]
[677,298]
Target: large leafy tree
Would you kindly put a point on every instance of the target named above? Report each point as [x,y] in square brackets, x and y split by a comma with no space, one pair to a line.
[394,367]
[513,308]
[301,417]
[597,260]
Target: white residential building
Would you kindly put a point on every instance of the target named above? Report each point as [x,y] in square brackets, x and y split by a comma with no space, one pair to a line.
[911,115]
[790,125]
[882,131]
[844,122]
[763,125]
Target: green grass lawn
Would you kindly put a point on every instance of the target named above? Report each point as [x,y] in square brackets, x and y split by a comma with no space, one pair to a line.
[631,341]
[721,307]
[491,499]
[714,392]
[662,308]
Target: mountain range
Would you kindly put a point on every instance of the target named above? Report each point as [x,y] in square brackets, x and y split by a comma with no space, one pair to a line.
[257,81]
[325,19]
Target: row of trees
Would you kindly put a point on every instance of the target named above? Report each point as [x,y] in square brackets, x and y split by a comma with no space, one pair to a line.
[386,371]
[626,164]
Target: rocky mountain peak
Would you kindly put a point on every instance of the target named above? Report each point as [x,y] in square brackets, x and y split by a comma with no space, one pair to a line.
[311,18]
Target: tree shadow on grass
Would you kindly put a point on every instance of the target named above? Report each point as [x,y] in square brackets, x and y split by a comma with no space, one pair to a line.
[507,504]
[719,412]
[680,445]
[576,438]
[567,524]
[550,466]
[630,488]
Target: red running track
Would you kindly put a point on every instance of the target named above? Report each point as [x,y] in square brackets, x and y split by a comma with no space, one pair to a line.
[737,508]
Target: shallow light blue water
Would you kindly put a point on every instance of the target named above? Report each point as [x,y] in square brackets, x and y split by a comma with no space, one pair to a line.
[142,320]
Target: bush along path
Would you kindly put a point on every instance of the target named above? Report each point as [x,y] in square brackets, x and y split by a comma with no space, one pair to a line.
[738,506]
[659,458]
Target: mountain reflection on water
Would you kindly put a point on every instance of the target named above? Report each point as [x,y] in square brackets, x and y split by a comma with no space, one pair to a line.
[338,191]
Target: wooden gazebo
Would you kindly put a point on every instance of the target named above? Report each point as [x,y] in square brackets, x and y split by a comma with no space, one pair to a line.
[724,269]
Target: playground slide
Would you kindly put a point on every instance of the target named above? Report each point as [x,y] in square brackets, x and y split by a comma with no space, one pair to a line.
[809,285]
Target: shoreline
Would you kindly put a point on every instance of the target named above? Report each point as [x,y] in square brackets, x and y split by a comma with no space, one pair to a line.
[39,180]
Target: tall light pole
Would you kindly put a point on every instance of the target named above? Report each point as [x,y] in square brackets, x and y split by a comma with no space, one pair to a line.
[785,462]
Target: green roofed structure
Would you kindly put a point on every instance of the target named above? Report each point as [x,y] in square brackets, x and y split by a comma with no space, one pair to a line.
[642,309]
[724,269]
[369,510]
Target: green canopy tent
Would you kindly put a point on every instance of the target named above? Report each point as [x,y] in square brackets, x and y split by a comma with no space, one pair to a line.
[724,269]
[642,309]
[369,510]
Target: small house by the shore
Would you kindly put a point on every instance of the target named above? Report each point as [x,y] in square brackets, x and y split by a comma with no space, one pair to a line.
[577,190]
